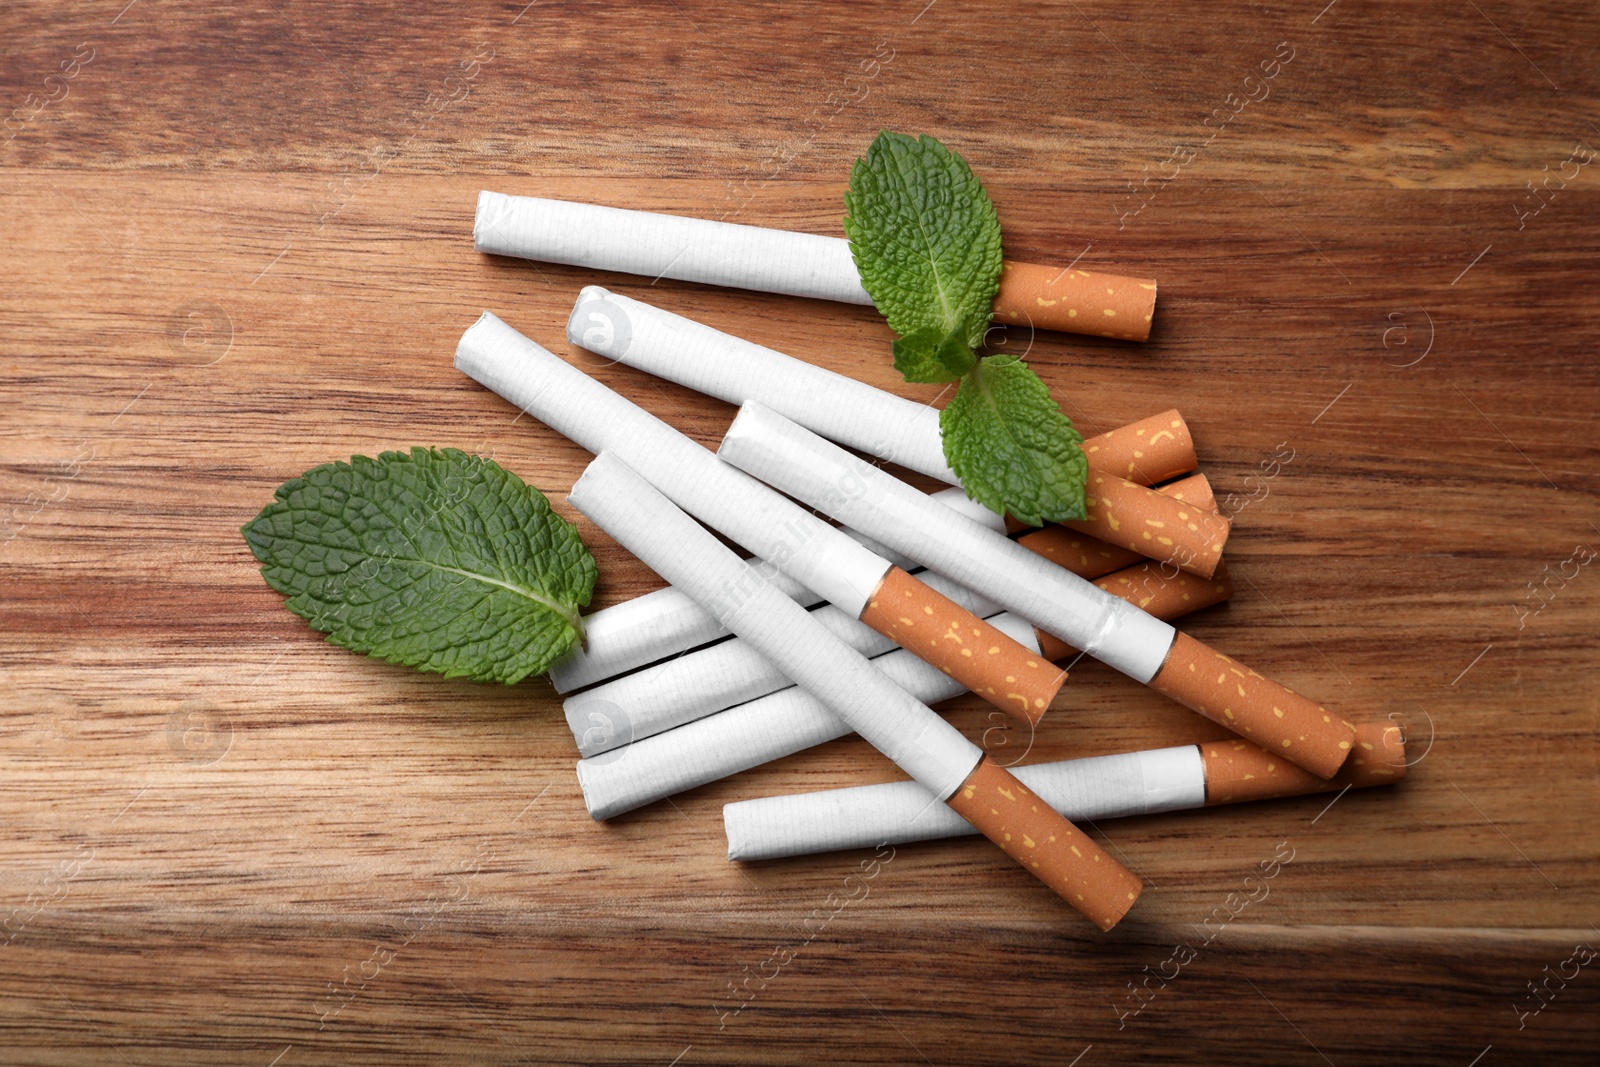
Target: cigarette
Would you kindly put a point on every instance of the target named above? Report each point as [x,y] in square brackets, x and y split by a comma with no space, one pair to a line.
[1119,509]
[927,748]
[686,688]
[1100,787]
[779,261]
[812,552]
[780,724]
[826,477]
[643,630]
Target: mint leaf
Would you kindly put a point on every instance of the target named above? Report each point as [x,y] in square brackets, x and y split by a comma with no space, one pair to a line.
[1011,446]
[925,356]
[436,559]
[924,237]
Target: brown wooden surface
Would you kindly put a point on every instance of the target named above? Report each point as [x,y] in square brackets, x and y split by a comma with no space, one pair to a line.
[211,817]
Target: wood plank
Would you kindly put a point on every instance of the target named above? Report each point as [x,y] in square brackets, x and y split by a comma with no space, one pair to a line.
[236,249]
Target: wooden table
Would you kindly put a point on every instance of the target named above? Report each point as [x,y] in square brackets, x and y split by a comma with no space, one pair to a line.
[237,243]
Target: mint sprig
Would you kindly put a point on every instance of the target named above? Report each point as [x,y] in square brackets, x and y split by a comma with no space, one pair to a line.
[926,242]
[1010,445]
[436,559]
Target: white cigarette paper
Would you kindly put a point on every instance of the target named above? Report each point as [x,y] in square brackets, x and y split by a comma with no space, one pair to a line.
[809,550]
[644,521]
[646,629]
[1099,787]
[749,735]
[735,370]
[664,623]
[706,681]
[668,246]
[828,478]
[690,687]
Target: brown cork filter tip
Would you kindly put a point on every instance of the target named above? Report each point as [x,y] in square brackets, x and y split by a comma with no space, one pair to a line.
[1273,716]
[1012,677]
[1076,301]
[1148,451]
[1237,771]
[1090,557]
[1047,845]
[1195,489]
[1164,595]
[1156,526]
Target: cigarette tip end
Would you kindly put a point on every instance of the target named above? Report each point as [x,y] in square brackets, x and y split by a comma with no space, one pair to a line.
[481,216]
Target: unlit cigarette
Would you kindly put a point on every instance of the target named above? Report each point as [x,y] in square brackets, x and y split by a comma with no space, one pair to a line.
[778,531]
[706,681]
[782,724]
[1099,787]
[812,470]
[1119,510]
[778,261]
[646,629]
[926,747]
[688,687]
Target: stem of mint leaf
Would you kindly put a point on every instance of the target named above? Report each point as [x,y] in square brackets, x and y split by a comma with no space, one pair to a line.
[926,241]
[437,559]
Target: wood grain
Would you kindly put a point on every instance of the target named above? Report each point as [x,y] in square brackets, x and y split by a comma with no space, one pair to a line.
[239,245]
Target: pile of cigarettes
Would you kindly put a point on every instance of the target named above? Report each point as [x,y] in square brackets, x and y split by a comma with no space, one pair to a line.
[912,599]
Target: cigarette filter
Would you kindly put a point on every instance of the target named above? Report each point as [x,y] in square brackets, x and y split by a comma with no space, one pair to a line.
[1099,787]
[821,474]
[853,413]
[1237,771]
[929,749]
[811,551]
[779,261]
[775,726]
[1090,557]
[1076,301]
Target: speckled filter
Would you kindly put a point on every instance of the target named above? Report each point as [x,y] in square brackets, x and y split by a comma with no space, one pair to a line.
[1254,706]
[1047,845]
[1238,771]
[1017,679]
[1076,301]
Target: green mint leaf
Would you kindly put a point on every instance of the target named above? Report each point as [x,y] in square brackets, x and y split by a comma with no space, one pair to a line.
[926,356]
[1011,446]
[436,559]
[924,237]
